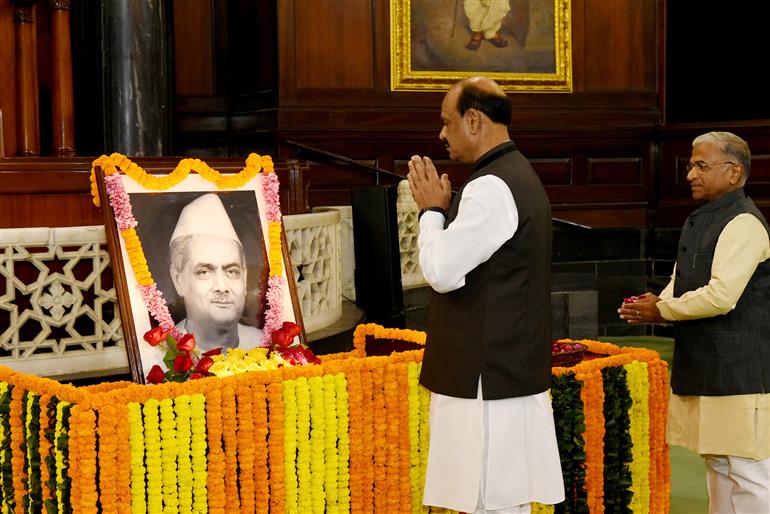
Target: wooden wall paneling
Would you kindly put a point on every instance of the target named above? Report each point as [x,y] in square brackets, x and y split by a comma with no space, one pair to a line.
[620,46]
[8,77]
[553,172]
[334,44]
[615,170]
[194,47]
[49,192]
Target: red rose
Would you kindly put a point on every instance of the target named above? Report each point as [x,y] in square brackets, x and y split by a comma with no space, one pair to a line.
[186,343]
[212,352]
[280,338]
[183,362]
[195,375]
[204,364]
[292,329]
[294,355]
[156,375]
[310,356]
[155,336]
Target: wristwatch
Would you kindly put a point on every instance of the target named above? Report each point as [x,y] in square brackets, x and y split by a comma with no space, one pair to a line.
[433,209]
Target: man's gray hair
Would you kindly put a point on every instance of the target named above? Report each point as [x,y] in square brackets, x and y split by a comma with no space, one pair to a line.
[731,146]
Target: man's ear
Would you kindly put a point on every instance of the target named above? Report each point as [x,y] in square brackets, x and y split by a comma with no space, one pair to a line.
[175,279]
[736,174]
[473,119]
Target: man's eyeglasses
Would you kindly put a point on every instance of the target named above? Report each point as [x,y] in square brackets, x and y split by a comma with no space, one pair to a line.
[703,167]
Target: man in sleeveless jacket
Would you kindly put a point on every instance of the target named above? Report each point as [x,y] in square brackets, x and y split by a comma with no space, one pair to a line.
[487,362]
[717,300]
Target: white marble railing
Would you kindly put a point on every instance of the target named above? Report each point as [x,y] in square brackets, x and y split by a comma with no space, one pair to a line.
[408,230]
[58,303]
[314,245]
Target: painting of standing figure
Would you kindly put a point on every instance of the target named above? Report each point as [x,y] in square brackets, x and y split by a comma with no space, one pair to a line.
[523,44]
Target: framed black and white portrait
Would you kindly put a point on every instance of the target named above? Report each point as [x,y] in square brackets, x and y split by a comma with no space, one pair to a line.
[195,257]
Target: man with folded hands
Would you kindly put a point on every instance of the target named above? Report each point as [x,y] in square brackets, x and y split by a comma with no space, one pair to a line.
[487,255]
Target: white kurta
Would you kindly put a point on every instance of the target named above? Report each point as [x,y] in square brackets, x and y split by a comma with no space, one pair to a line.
[495,454]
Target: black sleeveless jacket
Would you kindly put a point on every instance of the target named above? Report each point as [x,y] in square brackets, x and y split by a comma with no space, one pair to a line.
[727,354]
[498,325]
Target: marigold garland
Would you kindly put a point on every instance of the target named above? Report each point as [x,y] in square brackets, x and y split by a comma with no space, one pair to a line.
[230,440]
[304,449]
[275,443]
[638,385]
[343,442]
[355,414]
[290,446]
[44,448]
[107,427]
[380,440]
[246,444]
[6,472]
[260,443]
[136,445]
[17,452]
[198,449]
[153,462]
[317,444]
[415,469]
[358,443]
[330,444]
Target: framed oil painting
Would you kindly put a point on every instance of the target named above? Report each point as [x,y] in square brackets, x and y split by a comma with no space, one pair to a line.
[196,257]
[524,45]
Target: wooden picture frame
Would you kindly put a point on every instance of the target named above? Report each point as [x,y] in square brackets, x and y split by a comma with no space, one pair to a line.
[155,213]
[528,50]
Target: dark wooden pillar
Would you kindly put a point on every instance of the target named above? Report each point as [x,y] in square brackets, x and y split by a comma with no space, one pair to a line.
[28,110]
[136,48]
[62,105]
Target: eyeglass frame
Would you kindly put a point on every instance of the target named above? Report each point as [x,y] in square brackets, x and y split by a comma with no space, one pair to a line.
[703,167]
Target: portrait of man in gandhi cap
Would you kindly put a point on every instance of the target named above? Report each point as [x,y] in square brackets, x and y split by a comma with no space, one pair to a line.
[206,253]
[208,270]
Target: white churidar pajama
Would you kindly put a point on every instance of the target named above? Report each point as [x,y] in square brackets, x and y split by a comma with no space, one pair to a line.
[485,456]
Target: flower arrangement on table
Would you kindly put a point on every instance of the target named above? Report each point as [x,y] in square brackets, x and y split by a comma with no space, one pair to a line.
[185,362]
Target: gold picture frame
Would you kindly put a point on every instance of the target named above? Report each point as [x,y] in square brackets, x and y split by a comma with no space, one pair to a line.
[531,50]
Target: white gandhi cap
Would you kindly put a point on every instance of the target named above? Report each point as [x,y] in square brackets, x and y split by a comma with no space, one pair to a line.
[205,215]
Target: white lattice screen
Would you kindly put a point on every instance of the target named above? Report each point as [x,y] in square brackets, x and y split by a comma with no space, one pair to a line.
[58,302]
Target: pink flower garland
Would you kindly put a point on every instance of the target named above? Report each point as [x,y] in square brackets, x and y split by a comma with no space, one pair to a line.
[153,297]
[272,201]
[120,202]
[274,313]
[275,284]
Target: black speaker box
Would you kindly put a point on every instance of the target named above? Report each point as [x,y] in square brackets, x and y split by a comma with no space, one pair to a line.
[378,261]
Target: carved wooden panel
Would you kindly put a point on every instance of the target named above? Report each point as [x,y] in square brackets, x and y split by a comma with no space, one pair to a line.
[615,170]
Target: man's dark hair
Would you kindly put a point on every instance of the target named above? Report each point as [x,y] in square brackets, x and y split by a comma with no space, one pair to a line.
[497,107]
